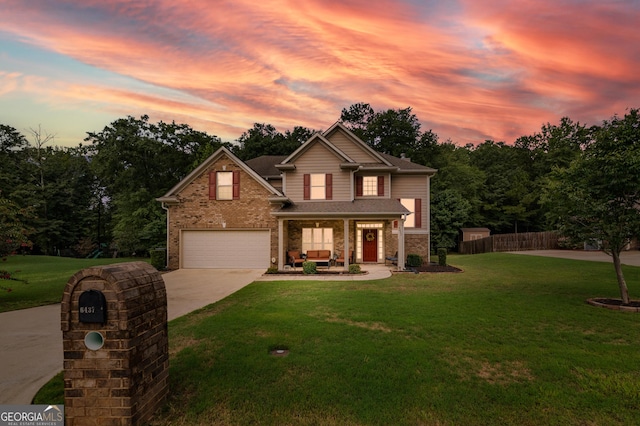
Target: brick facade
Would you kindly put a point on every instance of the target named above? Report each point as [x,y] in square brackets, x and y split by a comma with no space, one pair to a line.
[125,381]
[342,157]
[417,244]
[195,211]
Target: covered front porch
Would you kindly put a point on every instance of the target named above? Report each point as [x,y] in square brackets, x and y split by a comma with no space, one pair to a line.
[354,236]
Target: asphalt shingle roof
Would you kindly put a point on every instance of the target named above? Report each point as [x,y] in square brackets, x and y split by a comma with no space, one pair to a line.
[378,207]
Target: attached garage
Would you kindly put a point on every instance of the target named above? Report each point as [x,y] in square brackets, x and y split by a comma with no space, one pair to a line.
[222,249]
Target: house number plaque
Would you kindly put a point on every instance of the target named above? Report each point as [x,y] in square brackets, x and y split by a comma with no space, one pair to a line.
[92,307]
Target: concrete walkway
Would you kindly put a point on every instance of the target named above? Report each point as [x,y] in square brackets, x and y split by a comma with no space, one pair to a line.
[31,339]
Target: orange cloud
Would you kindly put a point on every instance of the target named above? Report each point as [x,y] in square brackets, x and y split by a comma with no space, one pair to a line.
[470,70]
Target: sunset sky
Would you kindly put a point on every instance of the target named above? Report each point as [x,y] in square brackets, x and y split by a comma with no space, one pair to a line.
[470,69]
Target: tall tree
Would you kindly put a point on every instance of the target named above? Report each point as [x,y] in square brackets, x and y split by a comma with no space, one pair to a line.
[597,197]
[12,162]
[135,162]
[14,232]
[450,212]
[265,139]
[58,190]
[505,203]
[394,131]
[357,118]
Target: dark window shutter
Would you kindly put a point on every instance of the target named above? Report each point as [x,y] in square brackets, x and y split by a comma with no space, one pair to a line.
[328,186]
[395,224]
[212,185]
[359,191]
[418,213]
[236,184]
[307,186]
[380,186]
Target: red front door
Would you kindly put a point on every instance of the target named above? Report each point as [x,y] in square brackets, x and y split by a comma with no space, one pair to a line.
[370,245]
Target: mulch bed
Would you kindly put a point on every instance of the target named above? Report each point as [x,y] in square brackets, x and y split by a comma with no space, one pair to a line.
[433,267]
[318,272]
[615,304]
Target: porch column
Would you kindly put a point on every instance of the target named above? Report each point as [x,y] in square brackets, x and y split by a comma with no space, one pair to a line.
[281,253]
[401,255]
[345,254]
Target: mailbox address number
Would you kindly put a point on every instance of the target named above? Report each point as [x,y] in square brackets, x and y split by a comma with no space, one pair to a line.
[92,307]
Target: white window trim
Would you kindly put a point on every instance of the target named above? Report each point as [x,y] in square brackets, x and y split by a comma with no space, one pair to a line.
[370,186]
[409,204]
[227,187]
[317,186]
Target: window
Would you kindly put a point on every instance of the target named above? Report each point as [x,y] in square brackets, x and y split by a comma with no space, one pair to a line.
[224,185]
[414,205]
[317,239]
[370,186]
[318,186]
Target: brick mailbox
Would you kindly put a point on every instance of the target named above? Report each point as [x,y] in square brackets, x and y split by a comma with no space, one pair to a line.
[116,350]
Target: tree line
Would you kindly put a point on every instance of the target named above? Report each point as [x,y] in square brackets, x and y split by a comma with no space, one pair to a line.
[100,196]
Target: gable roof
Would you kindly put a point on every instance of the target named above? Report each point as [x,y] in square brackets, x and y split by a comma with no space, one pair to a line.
[323,137]
[315,139]
[171,195]
[339,126]
[385,162]
[406,166]
[371,207]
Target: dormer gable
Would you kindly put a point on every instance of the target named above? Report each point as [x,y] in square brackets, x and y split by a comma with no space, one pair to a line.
[352,145]
[350,150]
[316,139]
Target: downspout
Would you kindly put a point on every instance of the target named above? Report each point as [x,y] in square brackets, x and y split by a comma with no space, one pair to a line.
[166,261]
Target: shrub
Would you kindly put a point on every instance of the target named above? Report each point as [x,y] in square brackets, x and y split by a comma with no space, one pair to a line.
[442,256]
[309,267]
[414,260]
[272,270]
[158,258]
[354,269]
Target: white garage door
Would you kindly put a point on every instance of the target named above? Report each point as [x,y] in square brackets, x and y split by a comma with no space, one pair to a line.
[225,249]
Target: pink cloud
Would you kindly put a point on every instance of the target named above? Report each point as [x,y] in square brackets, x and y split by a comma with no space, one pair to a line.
[496,69]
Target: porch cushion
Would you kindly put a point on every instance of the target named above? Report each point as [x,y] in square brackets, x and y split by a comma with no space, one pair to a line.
[294,257]
[321,255]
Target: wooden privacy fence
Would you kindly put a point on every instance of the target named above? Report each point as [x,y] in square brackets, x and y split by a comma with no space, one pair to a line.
[511,242]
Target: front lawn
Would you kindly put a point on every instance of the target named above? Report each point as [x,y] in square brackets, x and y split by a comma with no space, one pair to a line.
[40,280]
[509,341]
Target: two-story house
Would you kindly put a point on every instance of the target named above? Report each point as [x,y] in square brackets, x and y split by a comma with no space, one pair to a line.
[333,193]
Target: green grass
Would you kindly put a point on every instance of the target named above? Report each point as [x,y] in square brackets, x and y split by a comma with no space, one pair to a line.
[510,341]
[40,280]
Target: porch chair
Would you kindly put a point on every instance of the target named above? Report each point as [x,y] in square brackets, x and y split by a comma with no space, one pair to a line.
[295,258]
[340,259]
[393,259]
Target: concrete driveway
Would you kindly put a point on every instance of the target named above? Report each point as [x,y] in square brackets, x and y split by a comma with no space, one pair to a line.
[31,339]
[631,257]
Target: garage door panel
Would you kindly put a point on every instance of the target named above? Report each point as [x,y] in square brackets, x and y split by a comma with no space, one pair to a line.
[225,249]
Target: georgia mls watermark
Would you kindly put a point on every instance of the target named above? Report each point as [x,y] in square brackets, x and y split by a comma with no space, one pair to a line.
[31,415]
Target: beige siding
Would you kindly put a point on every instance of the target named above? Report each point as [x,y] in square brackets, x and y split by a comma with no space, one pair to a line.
[413,187]
[318,159]
[352,149]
